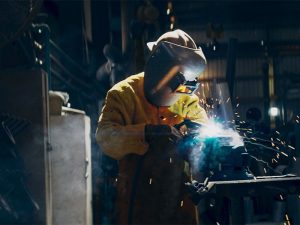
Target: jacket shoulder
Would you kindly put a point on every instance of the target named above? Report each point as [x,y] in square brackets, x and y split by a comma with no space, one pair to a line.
[129,84]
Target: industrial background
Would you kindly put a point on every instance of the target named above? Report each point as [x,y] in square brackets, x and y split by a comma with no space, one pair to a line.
[58,58]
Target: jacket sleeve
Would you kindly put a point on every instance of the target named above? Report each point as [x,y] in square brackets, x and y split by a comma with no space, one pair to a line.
[193,111]
[115,133]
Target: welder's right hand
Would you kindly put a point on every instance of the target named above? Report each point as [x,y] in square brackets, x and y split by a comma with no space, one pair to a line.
[158,133]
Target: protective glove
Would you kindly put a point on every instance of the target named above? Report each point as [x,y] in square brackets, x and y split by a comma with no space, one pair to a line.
[154,133]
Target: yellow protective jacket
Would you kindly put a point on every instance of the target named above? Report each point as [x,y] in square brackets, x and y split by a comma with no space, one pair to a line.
[150,178]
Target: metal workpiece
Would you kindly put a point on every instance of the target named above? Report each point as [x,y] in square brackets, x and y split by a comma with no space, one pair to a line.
[272,185]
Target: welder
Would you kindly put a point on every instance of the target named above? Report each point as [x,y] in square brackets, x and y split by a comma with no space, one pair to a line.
[137,128]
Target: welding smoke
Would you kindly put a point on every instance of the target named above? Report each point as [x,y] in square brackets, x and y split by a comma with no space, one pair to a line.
[211,145]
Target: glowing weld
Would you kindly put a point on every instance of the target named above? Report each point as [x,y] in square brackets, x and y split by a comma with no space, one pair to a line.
[213,129]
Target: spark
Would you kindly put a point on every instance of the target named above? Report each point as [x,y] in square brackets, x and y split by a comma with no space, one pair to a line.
[277,156]
[181,203]
[175,115]
[291,147]
[278,139]
[286,217]
[265,170]
[116,180]
[237,105]
[273,145]
[294,158]
[274,161]
[284,154]
[217,223]
[277,132]
[227,100]
[264,162]
[150,181]
[261,145]
[277,147]
[170,160]
[260,139]
[281,197]
[297,121]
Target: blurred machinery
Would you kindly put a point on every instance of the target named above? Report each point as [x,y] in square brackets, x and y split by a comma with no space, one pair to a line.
[37,169]
[17,203]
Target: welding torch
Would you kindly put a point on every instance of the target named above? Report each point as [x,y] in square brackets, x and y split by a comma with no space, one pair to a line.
[188,127]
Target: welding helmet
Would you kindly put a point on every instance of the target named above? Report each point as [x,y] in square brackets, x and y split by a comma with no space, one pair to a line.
[173,68]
